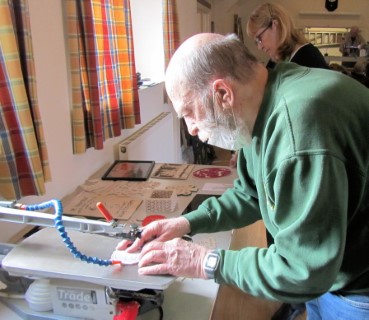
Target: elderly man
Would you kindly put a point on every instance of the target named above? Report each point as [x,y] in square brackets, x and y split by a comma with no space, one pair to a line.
[303,169]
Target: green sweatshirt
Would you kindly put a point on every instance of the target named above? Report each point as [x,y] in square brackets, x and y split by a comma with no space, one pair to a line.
[306,176]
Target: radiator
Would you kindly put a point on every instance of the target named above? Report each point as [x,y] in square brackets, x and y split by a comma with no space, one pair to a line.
[153,141]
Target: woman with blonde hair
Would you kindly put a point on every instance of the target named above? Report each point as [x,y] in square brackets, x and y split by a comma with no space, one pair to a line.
[275,33]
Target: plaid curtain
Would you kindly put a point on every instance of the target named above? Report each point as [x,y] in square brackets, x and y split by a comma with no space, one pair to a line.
[170,33]
[103,73]
[170,29]
[24,167]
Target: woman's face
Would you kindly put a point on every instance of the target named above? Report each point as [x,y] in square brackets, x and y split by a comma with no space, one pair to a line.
[266,39]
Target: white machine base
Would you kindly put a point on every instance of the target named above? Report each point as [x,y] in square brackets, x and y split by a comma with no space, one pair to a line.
[44,255]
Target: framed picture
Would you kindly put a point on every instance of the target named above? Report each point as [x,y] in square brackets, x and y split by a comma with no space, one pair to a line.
[129,170]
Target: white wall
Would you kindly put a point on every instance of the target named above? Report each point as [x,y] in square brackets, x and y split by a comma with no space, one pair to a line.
[187,16]
[148,39]
[51,61]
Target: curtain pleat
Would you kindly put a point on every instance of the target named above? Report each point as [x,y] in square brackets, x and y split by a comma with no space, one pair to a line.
[131,75]
[170,29]
[170,33]
[104,82]
[24,166]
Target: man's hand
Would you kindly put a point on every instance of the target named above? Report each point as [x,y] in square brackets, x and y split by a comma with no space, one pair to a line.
[161,230]
[176,257]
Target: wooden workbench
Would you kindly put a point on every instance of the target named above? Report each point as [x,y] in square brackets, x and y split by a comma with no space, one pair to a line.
[232,303]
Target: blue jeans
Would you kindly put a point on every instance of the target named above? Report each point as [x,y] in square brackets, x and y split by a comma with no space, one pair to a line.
[338,307]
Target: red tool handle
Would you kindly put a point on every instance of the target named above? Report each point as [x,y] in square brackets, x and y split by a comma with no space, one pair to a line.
[127,310]
[104,211]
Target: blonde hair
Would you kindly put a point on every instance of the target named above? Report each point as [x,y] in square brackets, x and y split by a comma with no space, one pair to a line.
[289,36]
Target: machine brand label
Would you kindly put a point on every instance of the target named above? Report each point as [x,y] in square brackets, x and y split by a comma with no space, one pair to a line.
[76,295]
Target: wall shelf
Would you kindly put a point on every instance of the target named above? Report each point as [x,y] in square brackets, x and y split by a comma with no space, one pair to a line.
[324,37]
[309,14]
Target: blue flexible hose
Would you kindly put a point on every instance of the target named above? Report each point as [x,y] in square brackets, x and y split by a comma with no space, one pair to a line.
[58,222]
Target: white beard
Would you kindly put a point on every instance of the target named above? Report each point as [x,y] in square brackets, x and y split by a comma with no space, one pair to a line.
[227,132]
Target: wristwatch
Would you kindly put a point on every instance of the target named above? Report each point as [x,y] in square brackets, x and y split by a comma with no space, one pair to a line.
[211,263]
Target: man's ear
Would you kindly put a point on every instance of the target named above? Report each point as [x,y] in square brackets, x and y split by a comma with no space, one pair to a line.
[223,93]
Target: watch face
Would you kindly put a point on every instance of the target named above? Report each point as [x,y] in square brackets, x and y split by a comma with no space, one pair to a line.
[212,262]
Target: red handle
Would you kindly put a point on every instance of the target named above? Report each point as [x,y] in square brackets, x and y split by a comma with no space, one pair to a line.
[104,211]
[127,310]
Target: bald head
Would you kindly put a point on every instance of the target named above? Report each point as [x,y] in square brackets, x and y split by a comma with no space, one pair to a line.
[179,66]
[204,58]
[197,41]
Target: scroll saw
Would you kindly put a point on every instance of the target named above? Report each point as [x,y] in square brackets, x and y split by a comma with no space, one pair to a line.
[67,275]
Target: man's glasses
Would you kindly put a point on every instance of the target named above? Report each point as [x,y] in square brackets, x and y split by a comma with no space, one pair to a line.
[258,38]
